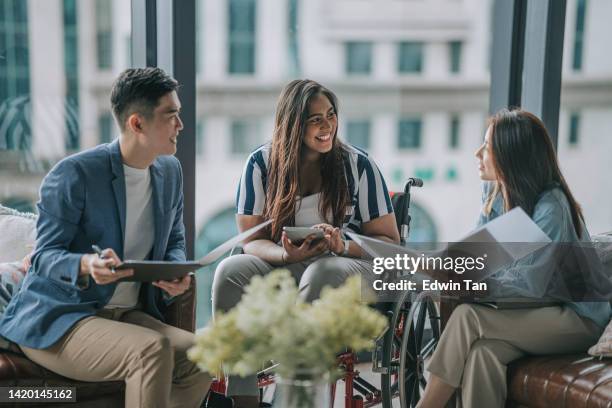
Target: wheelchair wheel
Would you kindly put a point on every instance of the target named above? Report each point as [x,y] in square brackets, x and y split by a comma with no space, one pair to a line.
[391,346]
[419,339]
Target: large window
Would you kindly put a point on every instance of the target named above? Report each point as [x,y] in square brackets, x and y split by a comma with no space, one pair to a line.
[410,57]
[358,58]
[14,56]
[242,36]
[578,49]
[455,125]
[454,50]
[585,120]
[358,133]
[104,33]
[394,76]
[409,134]
[15,132]
[71,68]
[245,136]
[52,100]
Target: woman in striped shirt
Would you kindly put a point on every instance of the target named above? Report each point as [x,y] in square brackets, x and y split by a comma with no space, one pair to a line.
[304,177]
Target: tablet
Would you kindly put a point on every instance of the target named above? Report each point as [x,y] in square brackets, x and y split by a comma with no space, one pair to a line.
[150,271]
[299,234]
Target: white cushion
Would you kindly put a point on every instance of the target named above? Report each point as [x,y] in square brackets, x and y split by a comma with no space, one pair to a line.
[17,234]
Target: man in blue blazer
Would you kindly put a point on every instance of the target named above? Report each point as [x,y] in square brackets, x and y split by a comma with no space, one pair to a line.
[71,315]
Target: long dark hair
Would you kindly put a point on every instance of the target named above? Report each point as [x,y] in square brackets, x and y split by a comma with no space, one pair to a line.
[283,185]
[525,163]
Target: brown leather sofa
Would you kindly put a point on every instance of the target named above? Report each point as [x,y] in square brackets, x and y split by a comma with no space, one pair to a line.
[17,370]
[559,381]
[573,381]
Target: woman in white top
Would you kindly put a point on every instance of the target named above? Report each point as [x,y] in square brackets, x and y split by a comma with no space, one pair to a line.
[304,177]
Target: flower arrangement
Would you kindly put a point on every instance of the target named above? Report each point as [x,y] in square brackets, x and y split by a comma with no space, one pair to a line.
[271,323]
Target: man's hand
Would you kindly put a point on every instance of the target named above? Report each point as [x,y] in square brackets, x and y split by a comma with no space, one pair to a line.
[102,269]
[175,287]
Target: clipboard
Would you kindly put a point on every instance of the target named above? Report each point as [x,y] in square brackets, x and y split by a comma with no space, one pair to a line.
[150,271]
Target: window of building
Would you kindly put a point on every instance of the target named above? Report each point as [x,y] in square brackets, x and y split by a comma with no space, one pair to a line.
[106,127]
[574,129]
[200,126]
[579,35]
[409,134]
[104,33]
[358,133]
[358,57]
[455,48]
[454,132]
[71,70]
[14,55]
[245,136]
[410,58]
[218,229]
[452,173]
[422,226]
[294,50]
[424,173]
[242,14]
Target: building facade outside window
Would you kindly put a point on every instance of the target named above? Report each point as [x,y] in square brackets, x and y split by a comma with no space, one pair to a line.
[245,136]
[242,16]
[574,129]
[358,57]
[294,49]
[579,35]
[14,55]
[104,33]
[410,57]
[409,133]
[358,133]
[71,69]
[106,127]
[455,125]
[200,130]
[455,51]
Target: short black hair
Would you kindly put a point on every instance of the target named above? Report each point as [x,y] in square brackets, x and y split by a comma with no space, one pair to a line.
[137,90]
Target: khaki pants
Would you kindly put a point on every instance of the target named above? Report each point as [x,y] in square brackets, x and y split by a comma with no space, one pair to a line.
[131,346]
[479,341]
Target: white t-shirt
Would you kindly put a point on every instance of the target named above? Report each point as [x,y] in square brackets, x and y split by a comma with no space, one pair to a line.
[139,230]
[307,211]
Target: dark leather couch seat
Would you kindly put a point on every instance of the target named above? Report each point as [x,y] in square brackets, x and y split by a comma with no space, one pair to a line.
[572,380]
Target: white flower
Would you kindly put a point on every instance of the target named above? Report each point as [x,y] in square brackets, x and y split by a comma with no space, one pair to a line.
[271,323]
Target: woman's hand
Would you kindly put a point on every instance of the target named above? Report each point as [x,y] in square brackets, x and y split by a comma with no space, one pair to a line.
[175,287]
[306,250]
[333,237]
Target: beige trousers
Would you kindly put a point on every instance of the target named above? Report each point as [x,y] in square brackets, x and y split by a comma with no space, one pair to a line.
[479,341]
[131,346]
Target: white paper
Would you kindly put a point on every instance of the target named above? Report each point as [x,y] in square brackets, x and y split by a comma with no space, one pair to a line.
[507,238]
[228,245]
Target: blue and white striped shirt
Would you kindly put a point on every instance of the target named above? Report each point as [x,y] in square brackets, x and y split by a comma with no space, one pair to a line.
[368,191]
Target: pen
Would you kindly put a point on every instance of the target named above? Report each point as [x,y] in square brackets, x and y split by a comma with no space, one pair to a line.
[98,251]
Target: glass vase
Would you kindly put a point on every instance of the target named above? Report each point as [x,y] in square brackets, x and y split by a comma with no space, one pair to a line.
[304,390]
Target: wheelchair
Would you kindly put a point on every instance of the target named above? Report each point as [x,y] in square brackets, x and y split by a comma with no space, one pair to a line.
[400,353]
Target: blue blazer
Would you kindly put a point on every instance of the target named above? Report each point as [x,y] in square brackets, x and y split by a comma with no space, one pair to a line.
[83,202]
